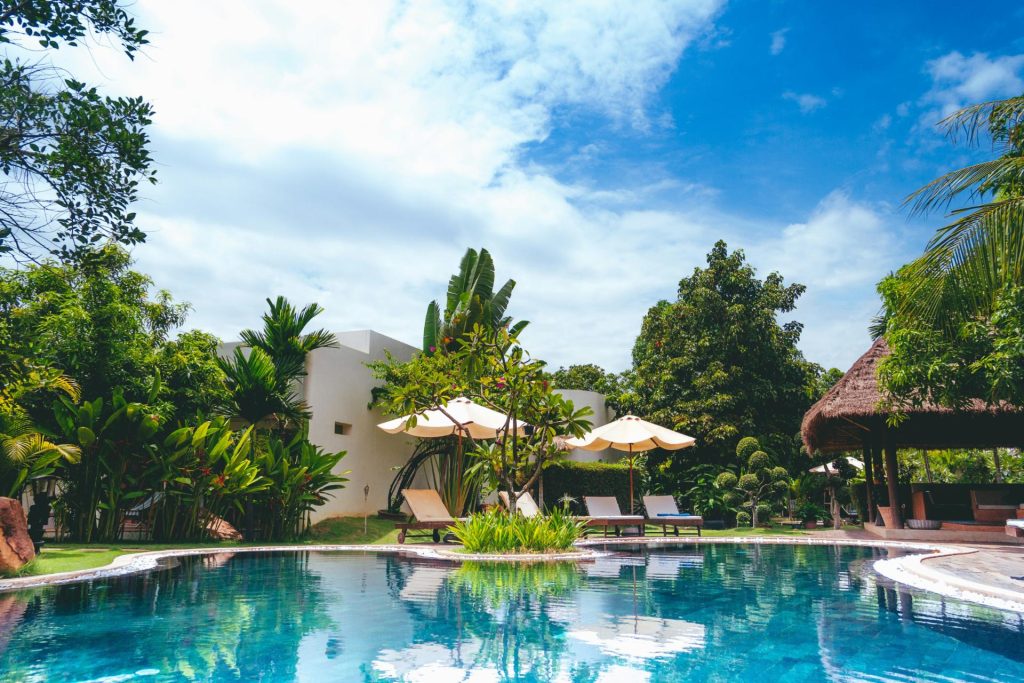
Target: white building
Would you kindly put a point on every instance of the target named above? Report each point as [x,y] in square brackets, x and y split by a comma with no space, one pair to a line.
[337,389]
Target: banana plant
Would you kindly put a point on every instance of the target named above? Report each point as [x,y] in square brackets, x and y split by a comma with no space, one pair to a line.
[207,472]
[471,301]
[116,439]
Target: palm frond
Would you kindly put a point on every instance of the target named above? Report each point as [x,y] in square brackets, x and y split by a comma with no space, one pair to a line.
[974,121]
[975,181]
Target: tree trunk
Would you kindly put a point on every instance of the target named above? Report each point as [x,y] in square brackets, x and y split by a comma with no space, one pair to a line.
[927,467]
[892,476]
[837,518]
[997,465]
[869,484]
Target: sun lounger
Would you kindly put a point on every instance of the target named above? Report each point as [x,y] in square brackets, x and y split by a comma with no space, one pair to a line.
[429,513]
[525,504]
[603,512]
[1015,528]
[662,511]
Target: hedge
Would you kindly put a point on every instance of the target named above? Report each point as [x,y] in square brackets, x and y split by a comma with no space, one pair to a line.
[578,479]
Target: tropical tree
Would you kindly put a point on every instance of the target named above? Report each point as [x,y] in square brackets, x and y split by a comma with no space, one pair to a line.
[970,261]
[717,364]
[262,383]
[471,301]
[72,158]
[117,439]
[99,322]
[25,451]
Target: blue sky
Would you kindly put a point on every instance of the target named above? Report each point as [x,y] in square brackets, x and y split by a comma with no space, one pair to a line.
[348,153]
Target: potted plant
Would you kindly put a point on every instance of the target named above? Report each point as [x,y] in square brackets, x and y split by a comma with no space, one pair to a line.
[809,513]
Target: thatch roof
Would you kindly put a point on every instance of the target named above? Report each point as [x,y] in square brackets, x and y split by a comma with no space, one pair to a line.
[848,414]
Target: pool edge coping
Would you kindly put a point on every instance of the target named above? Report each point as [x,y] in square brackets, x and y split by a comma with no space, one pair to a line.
[908,570]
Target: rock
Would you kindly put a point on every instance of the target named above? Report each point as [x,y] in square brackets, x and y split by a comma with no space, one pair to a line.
[219,530]
[16,547]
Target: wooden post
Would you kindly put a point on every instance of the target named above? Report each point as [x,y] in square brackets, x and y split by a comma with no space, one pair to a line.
[892,477]
[869,484]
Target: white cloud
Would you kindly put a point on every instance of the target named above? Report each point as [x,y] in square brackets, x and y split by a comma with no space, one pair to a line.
[349,153]
[806,101]
[958,80]
[840,252]
[778,43]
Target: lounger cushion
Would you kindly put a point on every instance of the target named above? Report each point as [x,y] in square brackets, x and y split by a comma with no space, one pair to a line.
[1019,523]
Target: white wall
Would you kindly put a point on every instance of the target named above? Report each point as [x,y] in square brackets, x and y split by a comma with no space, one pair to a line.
[602,416]
[338,389]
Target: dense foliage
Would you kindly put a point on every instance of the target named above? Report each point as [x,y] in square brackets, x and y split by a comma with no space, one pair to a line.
[567,481]
[96,321]
[497,531]
[954,318]
[716,364]
[142,427]
[72,158]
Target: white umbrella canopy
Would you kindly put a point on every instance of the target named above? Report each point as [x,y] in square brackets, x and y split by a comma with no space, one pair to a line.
[830,468]
[630,433]
[460,416]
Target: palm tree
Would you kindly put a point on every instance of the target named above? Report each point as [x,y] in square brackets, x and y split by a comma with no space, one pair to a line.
[471,301]
[26,452]
[972,259]
[263,381]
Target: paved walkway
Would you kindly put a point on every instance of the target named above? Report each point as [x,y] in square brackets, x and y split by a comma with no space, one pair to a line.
[993,566]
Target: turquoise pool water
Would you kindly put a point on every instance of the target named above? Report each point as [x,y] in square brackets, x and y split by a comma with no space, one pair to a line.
[716,613]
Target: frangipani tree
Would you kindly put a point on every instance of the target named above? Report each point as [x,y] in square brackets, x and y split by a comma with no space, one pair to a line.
[761,482]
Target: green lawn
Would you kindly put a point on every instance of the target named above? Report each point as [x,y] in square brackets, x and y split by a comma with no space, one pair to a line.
[64,557]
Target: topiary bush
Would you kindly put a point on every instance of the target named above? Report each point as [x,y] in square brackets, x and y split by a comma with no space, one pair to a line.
[578,479]
[746,448]
[742,518]
[758,486]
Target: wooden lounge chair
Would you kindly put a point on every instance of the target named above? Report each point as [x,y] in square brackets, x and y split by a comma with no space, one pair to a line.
[603,512]
[525,505]
[1015,528]
[429,513]
[662,511]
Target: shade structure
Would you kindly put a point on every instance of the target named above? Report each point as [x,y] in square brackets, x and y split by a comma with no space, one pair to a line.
[830,468]
[631,434]
[458,417]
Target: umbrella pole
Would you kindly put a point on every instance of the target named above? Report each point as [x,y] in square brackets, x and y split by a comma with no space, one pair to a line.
[630,478]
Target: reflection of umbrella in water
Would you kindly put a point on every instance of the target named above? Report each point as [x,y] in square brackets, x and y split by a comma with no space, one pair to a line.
[635,637]
[630,433]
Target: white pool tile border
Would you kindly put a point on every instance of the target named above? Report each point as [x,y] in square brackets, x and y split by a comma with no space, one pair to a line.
[909,569]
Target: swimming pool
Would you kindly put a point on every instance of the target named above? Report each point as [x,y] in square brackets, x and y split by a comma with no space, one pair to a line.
[713,612]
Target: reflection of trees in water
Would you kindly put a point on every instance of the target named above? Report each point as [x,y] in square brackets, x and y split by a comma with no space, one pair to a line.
[506,616]
[208,618]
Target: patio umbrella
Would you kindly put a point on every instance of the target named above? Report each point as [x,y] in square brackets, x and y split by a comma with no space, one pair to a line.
[460,417]
[829,468]
[630,433]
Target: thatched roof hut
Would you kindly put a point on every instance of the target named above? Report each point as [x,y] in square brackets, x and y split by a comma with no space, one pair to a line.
[847,417]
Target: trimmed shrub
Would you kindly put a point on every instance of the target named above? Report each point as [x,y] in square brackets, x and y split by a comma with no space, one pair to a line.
[578,479]
[746,448]
[742,518]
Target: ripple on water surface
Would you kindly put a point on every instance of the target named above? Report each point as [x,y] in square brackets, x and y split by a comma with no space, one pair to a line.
[715,612]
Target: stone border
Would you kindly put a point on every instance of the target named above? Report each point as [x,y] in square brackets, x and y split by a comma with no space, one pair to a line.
[134,563]
[908,569]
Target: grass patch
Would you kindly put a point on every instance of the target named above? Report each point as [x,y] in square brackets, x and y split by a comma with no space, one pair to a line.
[349,530]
